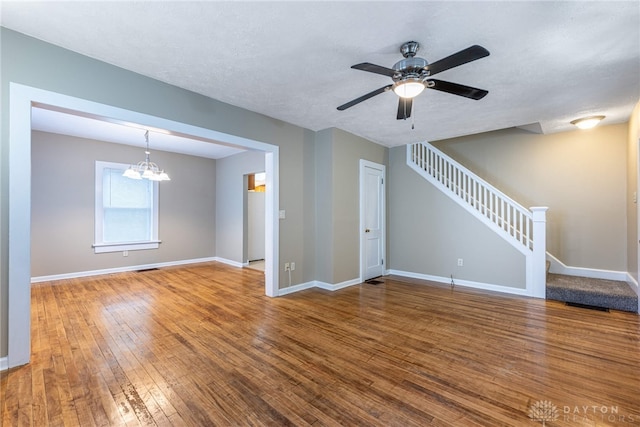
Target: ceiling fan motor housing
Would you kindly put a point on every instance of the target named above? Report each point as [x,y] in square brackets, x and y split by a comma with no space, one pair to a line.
[411,67]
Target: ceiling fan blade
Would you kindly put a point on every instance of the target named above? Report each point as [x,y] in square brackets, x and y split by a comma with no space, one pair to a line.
[404,108]
[373,68]
[466,55]
[457,89]
[364,97]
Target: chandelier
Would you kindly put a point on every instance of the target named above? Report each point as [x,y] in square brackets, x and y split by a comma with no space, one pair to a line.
[146,168]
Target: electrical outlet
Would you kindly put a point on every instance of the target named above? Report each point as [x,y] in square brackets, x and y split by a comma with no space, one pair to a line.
[460,262]
[287,266]
[125,253]
[293,266]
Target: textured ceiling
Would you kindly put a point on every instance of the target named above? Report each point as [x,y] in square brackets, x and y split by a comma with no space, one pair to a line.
[550,62]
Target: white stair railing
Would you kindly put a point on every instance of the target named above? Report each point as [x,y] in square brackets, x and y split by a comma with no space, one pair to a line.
[523,228]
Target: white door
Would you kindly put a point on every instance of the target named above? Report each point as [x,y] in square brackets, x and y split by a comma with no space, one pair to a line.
[372,219]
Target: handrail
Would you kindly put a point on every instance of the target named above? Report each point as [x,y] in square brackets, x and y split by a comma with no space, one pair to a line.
[499,209]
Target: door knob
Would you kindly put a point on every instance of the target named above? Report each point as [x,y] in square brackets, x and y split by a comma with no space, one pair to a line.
[367,230]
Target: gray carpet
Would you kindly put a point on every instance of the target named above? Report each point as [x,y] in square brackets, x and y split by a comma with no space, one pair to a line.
[596,292]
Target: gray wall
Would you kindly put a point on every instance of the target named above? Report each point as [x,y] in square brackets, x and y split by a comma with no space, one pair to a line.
[580,175]
[338,155]
[63,196]
[324,205]
[428,232]
[230,202]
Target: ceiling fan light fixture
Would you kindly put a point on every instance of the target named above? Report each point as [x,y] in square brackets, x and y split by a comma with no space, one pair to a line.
[409,88]
[587,122]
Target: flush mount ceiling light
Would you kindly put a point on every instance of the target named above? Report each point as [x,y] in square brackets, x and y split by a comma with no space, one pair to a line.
[587,122]
[146,168]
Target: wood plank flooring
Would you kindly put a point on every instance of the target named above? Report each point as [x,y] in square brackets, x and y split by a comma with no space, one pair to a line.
[202,346]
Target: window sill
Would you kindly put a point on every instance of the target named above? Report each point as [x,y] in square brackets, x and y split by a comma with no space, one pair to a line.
[100,248]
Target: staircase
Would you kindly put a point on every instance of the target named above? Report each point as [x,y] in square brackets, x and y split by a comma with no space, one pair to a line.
[523,228]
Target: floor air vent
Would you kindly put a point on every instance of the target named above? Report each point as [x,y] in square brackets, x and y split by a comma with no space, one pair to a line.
[144,270]
[590,307]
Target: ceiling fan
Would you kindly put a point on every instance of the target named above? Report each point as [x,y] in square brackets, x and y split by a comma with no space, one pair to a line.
[411,76]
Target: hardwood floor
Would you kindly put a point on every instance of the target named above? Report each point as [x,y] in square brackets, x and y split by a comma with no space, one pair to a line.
[200,345]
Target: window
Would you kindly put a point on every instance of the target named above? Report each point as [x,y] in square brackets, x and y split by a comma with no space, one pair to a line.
[126,213]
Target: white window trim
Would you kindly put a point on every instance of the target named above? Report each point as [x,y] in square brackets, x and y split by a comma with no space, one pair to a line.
[98,245]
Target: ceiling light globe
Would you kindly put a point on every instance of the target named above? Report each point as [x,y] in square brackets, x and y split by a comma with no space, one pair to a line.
[587,122]
[408,88]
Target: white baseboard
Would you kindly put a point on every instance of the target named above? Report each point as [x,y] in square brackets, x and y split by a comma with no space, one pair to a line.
[337,286]
[119,269]
[318,284]
[228,262]
[297,288]
[460,282]
[558,267]
[4,363]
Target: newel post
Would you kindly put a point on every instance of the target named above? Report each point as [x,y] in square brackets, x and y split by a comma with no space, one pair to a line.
[539,279]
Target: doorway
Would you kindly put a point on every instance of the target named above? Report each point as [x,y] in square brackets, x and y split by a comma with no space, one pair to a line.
[21,100]
[372,220]
[254,218]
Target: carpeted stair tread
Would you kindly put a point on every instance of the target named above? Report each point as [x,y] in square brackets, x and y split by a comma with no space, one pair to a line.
[596,292]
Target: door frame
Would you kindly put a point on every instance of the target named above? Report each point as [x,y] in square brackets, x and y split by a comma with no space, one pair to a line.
[246,238]
[361,235]
[21,99]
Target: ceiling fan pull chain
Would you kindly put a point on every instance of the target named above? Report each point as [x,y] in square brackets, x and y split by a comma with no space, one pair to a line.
[413,119]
